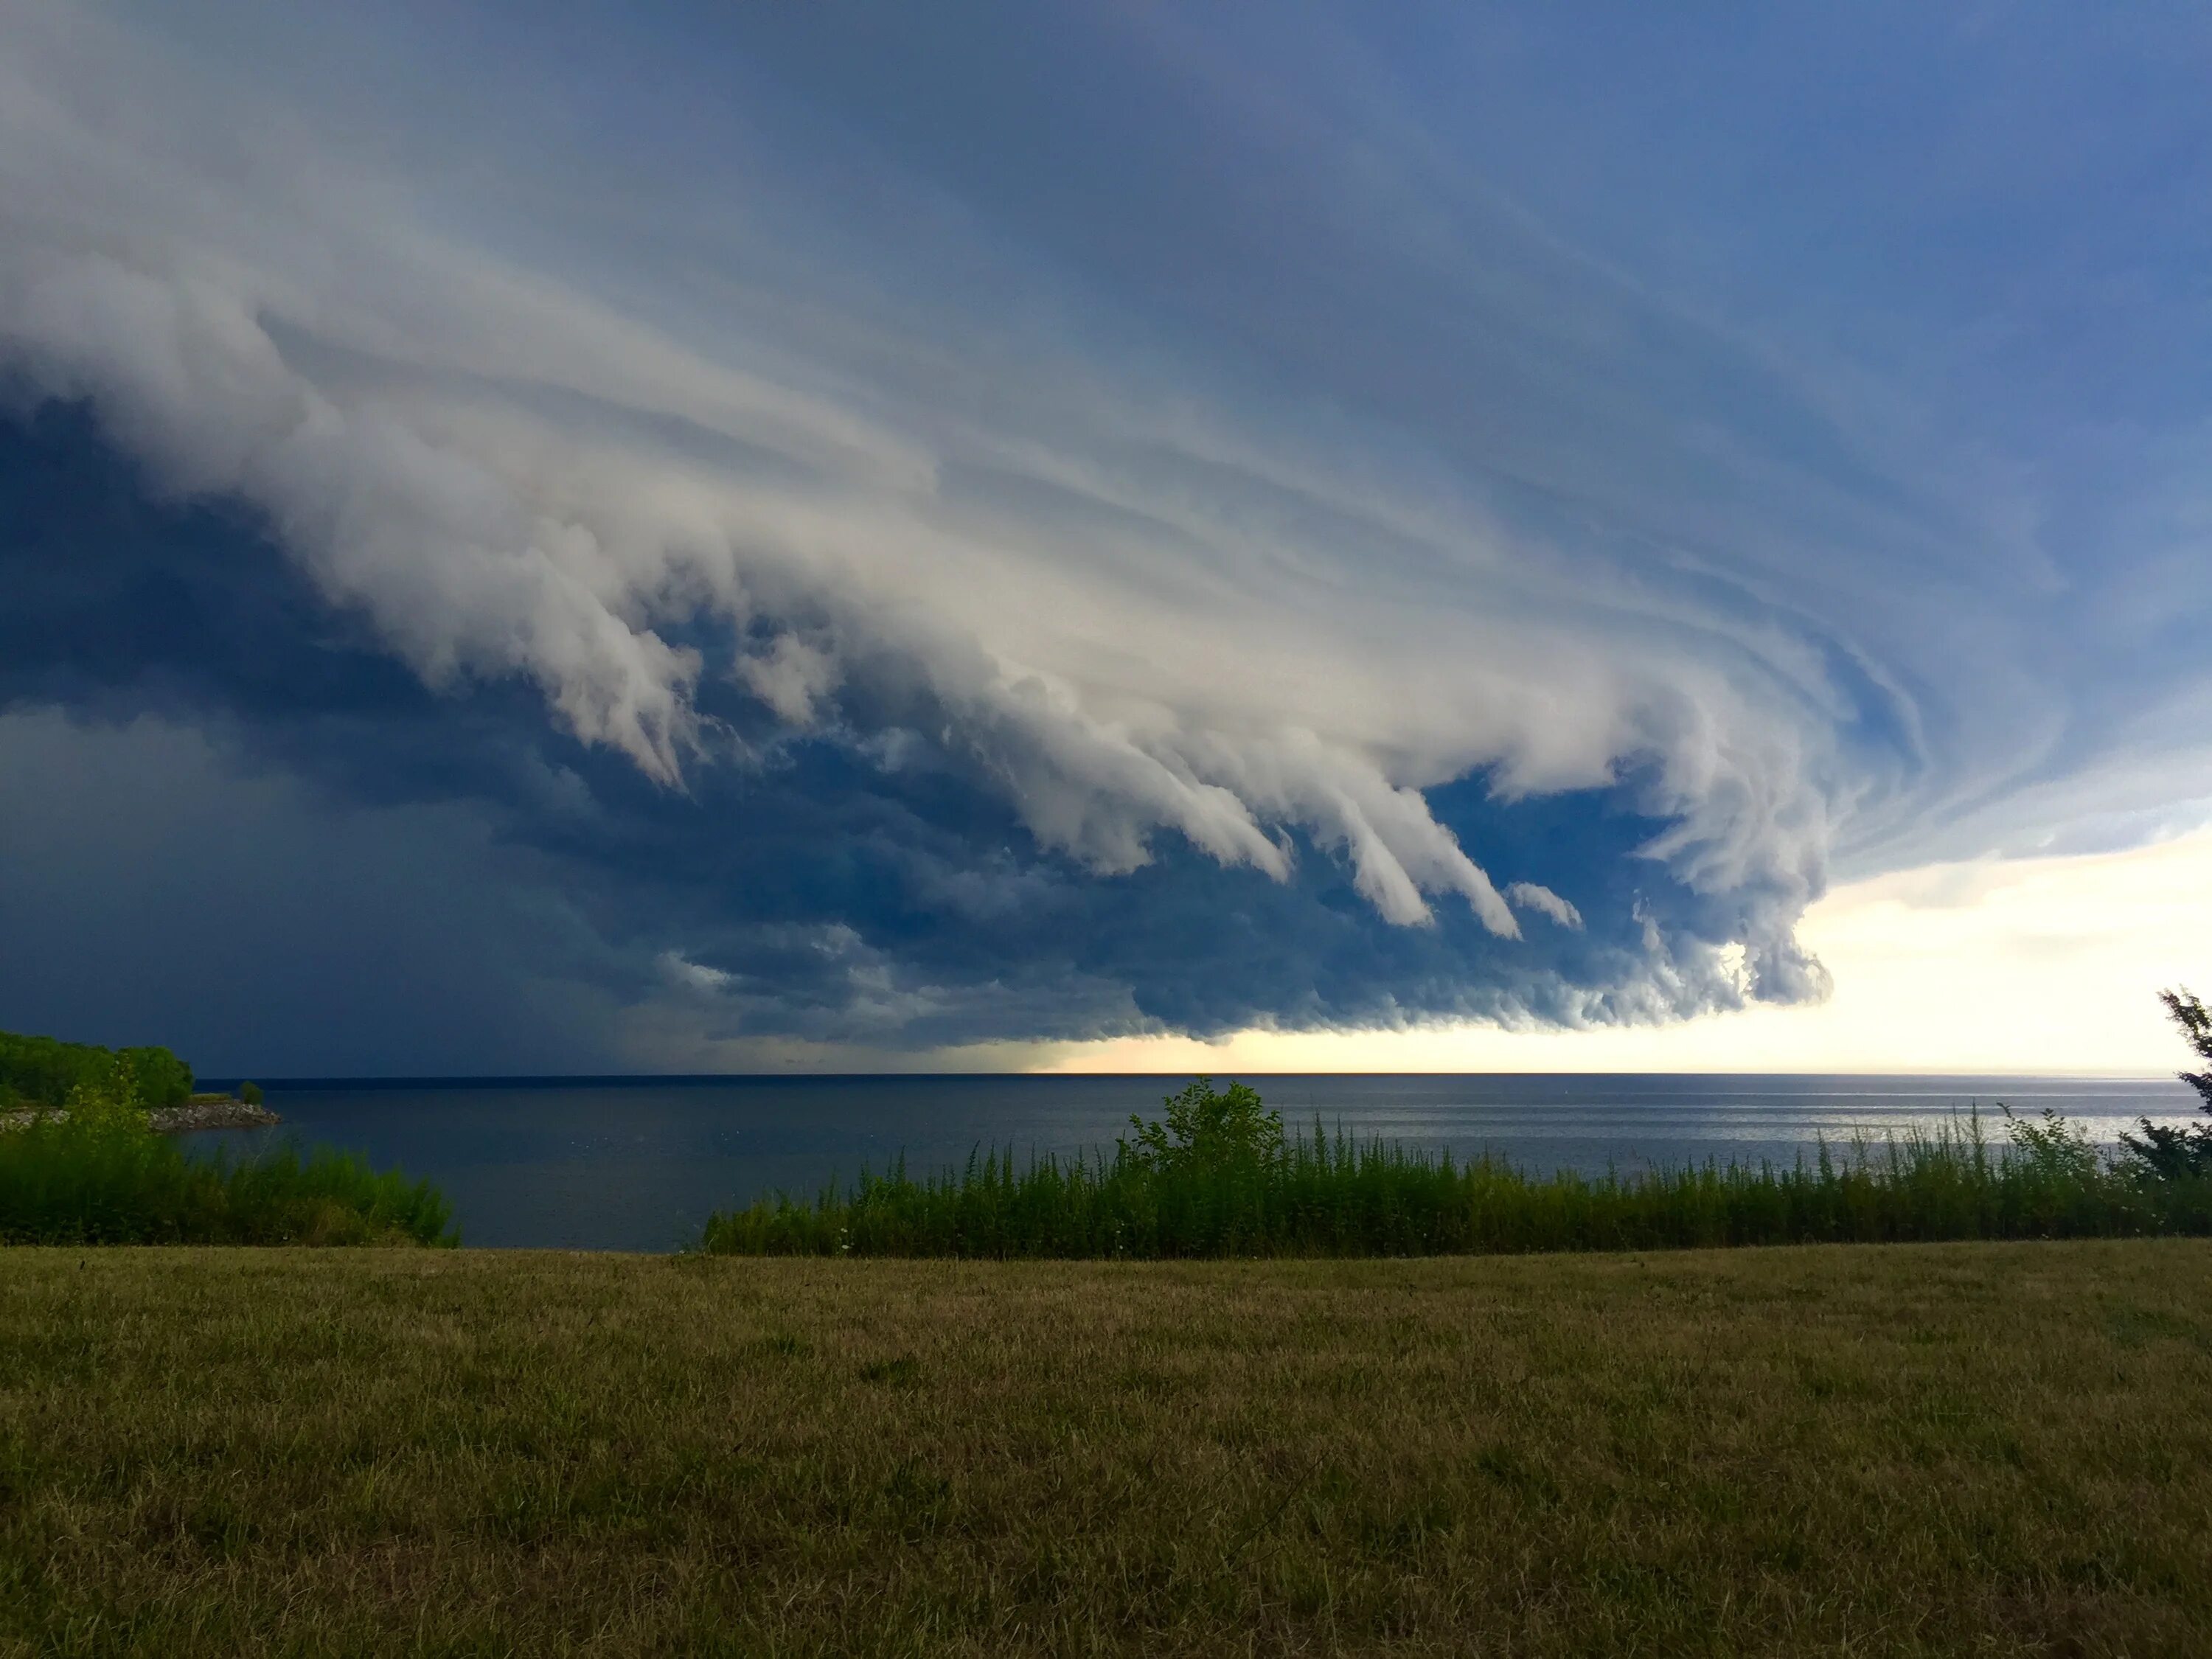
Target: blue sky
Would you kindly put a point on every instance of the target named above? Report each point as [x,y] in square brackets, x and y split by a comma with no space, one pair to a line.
[626,537]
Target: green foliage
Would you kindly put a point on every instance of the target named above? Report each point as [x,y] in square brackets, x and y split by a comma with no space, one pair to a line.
[2161,1153]
[2195,1023]
[108,1103]
[41,1070]
[96,1176]
[2054,1149]
[250,1093]
[1218,1179]
[1203,1130]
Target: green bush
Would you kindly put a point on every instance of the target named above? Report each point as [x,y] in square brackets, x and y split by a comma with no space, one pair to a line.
[250,1093]
[1218,1178]
[1203,1130]
[92,1174]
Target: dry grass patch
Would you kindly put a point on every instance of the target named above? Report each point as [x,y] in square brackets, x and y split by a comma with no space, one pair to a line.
[1985,1448]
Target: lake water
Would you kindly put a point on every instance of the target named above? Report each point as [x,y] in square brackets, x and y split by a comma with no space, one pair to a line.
[639,1164]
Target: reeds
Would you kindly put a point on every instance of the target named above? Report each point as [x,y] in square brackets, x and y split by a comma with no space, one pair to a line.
[104,1183]
[1320,1196]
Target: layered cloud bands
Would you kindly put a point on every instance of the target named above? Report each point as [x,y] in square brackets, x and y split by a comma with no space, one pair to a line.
[937,624]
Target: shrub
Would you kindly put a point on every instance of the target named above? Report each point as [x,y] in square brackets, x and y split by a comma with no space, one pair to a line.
[1219,1178]
[92,1174]
[250,1093]
[1203,1130]
[108,1103]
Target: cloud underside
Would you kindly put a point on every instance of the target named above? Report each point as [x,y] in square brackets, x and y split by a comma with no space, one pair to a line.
[868,880]
[486,540]
[967,652]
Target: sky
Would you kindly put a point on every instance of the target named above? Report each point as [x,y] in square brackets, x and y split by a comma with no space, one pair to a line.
[640,537]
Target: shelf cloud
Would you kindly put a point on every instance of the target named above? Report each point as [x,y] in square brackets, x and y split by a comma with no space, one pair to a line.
[914,561]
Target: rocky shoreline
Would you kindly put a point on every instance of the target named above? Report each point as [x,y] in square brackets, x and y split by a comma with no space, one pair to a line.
[209,1112]
[200,1112]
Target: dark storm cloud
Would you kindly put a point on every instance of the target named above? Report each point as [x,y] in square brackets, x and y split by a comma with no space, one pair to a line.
[1044,524]
[842,887]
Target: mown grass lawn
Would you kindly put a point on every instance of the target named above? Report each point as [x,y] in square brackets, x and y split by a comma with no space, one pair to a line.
[1945,1448]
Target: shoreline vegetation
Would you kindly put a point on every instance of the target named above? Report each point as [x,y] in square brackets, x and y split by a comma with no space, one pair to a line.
[92,1180]
[1938,1449]
[1217,1175]
[1225,1181]
[88,1157]
[40,1075]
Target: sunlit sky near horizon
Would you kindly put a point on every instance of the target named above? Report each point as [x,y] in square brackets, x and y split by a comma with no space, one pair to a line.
[2035,966]
[1281,537]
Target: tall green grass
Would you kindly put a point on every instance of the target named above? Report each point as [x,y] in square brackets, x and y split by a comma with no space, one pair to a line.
[89,1180]
[1320,1196]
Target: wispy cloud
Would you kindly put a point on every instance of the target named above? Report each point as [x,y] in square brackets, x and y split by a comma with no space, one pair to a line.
[1229,524]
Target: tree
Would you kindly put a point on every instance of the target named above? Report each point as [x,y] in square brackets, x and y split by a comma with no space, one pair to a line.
[2161,1153]
[2195,1023]
[1208,1130]
[43,1071]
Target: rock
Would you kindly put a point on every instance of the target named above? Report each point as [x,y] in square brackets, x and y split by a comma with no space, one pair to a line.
[209,1112]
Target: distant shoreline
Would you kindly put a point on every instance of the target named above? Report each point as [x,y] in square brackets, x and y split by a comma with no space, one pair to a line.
[200,1112]
[210,1112]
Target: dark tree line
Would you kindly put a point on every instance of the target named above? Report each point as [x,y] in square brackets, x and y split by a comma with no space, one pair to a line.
[41,1070]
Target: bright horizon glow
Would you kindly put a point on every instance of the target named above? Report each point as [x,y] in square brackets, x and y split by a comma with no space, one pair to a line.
[2034,966]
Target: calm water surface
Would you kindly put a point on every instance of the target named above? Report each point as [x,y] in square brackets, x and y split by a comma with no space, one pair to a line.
[639,1164]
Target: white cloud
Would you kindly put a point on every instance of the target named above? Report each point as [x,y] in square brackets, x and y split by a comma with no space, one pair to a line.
[686,975]
[1143,605]
[1545,902]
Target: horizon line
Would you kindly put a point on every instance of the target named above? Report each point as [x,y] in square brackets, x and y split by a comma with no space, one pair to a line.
[582,1079]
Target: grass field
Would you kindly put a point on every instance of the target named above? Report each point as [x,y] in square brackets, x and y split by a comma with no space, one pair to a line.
[1986,1449]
